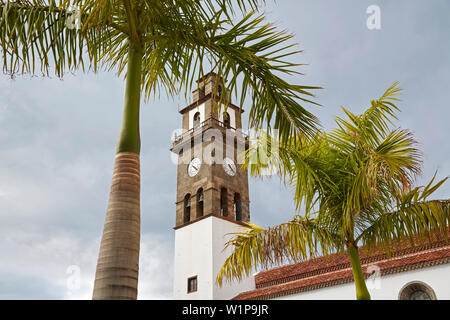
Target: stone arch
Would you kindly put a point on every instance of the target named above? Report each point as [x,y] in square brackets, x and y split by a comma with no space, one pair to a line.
[226,120]
[200,202]
[224,202]
[417,290]
[237,207]
[187,208]
[196,121]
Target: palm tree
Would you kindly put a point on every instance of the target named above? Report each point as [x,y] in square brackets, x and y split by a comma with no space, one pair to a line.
[157,46]
[354,184]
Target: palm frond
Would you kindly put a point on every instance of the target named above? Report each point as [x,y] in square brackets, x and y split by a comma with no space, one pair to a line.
[414,219]
[299,239]
[369,127]
[248,53]
[35,35]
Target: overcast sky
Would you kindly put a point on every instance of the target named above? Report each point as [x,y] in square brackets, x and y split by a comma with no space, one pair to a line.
[58,140]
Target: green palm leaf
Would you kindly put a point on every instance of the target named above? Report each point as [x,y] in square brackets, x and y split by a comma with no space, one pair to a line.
[354,186]
[157,46]
[292,241]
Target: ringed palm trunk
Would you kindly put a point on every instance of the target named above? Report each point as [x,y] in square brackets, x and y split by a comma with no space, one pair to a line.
[117,271]
[361,289]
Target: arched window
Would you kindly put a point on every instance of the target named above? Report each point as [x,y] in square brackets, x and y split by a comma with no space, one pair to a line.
[187,208]
[237,207]
[196,119]
[223,202]
[226,120]
[200,200]
[417,290]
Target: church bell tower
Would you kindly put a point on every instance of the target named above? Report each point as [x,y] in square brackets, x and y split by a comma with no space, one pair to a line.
[212,191]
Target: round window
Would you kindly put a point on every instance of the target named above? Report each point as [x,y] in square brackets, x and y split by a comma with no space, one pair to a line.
[417,290]
[419,295]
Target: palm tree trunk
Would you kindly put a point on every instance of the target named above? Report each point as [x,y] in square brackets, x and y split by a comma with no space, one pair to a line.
[361,289]
[118,261]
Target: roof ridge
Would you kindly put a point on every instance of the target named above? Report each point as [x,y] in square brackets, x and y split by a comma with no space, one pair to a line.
[427,258]
[343,262]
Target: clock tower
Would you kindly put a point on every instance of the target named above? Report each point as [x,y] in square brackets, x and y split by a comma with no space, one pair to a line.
[212,191]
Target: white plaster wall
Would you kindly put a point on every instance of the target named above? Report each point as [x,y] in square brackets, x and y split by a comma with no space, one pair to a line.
[200,108]
[199,252]
[386,287]
[193,257]
[221,235]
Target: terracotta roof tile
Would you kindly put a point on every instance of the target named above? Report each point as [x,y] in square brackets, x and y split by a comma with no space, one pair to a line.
[335,269]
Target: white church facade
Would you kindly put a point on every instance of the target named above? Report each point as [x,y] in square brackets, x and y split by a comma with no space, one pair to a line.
[421,272]
[213,202]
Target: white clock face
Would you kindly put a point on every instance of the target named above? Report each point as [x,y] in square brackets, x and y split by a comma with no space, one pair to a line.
[194,167]
[229,166]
